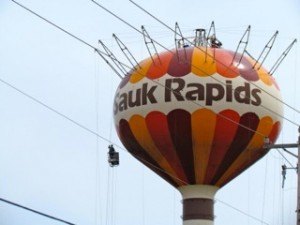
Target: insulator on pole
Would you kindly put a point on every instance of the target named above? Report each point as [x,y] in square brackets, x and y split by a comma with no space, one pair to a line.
[243,43]
[129,56]
[265,52]
[281,58]
[150,45]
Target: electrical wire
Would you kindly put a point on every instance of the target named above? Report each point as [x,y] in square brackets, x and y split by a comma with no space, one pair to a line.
[285,158]
[35,211]
[242,212]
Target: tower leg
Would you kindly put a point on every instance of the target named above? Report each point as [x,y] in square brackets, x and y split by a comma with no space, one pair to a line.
[198,204]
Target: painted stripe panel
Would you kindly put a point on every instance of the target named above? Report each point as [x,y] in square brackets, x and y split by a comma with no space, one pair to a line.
[137,151]
[256,155]
[244,134]
[203,130]
[157,125]
[263,130]
[140,131]
[180,64]
[158,70]
[140,73]
[245,69]
[223,62]
[275,132]
[179,122]
[226,127]
[201,66]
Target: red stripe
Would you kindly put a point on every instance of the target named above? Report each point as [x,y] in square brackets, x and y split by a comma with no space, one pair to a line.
[157,125]
[180,64]
[226,127]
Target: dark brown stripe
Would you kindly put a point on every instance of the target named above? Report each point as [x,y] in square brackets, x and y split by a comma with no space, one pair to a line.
[181,67]
[248,124]
[198,209]
[138,152]
[179,122]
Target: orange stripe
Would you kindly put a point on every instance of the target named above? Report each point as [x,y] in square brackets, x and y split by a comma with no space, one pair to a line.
[140,73]
[200,66]
[256,143]
[160,68]
[224,66]
[139,129]
[203,129]
[262,73]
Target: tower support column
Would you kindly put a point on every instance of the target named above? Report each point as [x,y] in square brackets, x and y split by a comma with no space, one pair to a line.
[198,204]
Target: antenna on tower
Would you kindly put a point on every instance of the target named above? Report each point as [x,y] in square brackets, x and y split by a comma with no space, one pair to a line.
[243,42]
[149,41]
[179,41]
[127,53]
[113,58]
[265,52]
[281,58]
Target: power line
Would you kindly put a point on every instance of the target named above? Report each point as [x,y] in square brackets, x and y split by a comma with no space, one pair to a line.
[284,158]
[53,110]
[242,212]
[35,211]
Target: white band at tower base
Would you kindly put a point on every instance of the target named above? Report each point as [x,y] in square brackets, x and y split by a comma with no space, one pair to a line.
[198,204]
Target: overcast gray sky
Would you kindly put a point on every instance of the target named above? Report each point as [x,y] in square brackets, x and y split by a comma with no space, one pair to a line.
[50,164]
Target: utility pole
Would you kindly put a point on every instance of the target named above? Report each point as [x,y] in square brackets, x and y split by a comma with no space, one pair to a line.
[268,145]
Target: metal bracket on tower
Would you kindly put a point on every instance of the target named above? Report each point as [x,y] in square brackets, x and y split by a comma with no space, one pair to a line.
[244,43]
[113,58]
[281,58]
[108,63]
[265,52]
[149,41]
[127,53]
[212,40]
[179,41]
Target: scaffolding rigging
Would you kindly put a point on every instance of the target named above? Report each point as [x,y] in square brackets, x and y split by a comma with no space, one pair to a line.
[150,45]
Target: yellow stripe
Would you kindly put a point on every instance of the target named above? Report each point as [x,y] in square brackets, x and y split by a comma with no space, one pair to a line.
[201,67]
[203,130]
[140,131]
[140,73]
[256,143]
